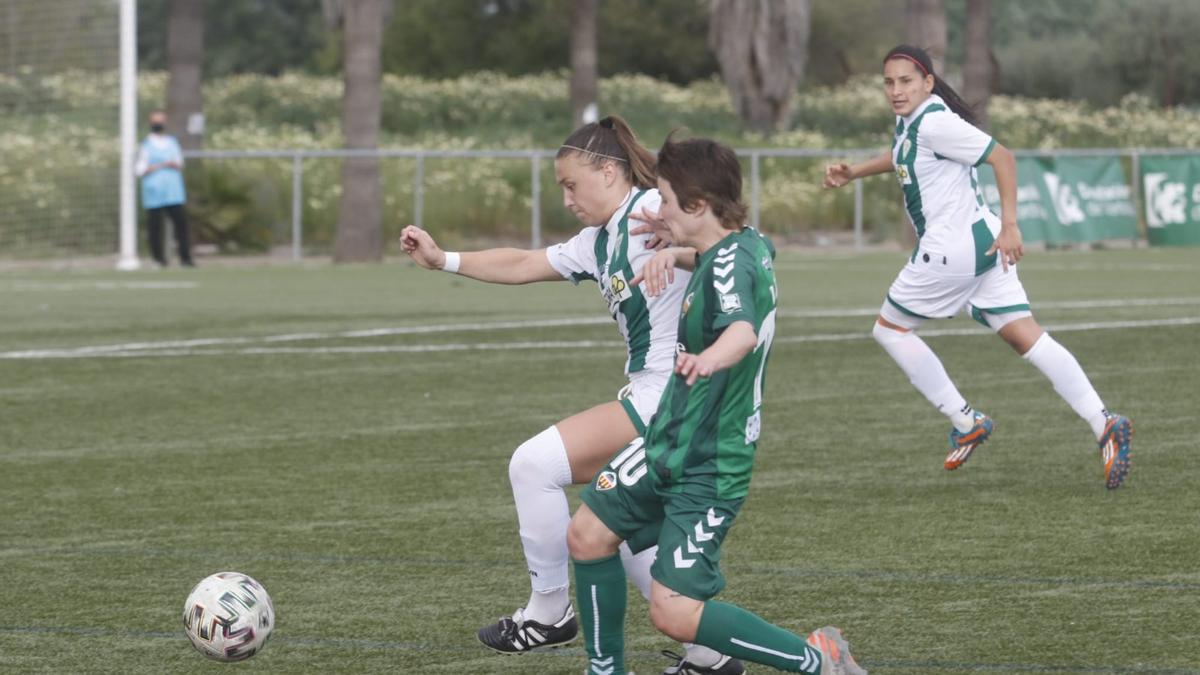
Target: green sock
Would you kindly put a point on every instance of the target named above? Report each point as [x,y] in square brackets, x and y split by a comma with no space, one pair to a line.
[734,631]
[600,595]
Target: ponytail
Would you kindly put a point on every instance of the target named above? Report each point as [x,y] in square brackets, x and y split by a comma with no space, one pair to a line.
[611,139]
[920,58]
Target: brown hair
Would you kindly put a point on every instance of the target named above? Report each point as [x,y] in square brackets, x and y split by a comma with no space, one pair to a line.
[611,140]
[699,169]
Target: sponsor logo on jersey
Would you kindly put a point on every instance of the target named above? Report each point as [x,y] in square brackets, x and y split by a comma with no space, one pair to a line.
[905,147]
[617,291]
[607,480]
[730,303]
[766,262]
[753,427]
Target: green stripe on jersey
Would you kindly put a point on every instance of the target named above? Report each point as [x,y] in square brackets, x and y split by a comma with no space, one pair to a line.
[618,271]
[908,161]
[983,241]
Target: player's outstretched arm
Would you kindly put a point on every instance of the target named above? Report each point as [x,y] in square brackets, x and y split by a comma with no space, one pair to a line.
[496,265]
[738,340]
[837,175]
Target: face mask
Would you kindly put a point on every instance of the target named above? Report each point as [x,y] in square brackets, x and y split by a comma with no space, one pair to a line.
[157,128]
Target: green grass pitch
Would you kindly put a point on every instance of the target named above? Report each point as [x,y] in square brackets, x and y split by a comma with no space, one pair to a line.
[161,426]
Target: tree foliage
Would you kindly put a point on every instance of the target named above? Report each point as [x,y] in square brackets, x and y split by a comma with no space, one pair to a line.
[1094,50]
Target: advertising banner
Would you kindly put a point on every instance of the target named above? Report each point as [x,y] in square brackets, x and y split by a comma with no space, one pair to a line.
[1069,199]
[1171,193]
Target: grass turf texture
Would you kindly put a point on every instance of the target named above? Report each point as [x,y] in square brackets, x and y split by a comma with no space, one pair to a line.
[368,489]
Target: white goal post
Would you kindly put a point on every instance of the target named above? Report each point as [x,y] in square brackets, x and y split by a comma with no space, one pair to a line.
[128,257]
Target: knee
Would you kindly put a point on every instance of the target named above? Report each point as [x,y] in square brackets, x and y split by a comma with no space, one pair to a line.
[675,621]
[540,460]
[523,462]
[885,336]
[580,545]
[588,538]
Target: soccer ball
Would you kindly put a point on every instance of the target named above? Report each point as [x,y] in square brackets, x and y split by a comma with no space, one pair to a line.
[228,616]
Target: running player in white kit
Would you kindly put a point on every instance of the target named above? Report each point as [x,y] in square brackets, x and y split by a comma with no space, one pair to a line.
[954,266]
[607,177]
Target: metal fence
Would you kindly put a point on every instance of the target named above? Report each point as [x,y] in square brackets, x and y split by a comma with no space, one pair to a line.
[753,155]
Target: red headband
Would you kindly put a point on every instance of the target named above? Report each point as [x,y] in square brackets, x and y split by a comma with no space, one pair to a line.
[906,56]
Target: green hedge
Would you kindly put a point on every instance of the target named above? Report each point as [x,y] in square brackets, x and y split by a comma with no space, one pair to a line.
[60,152]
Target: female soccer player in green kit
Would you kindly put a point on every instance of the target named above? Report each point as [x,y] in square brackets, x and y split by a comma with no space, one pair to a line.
[607,178]
[683,487]
[953,267]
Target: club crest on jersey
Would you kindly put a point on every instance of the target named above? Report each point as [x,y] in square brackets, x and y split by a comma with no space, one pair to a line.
[730,303]
[687,304]
[607,480]
[902,174]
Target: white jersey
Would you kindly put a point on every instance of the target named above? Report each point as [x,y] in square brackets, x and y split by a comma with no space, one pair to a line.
[611,257]
[935,153]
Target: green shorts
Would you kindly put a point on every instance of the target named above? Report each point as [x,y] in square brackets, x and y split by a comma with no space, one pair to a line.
[688,529]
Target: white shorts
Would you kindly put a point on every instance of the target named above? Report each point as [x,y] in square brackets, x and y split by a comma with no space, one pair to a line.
[924,291]
[640,397]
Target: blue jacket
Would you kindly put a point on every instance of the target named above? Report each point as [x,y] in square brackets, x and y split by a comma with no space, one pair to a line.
[163,187]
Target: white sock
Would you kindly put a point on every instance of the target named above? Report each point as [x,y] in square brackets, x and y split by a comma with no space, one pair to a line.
[1069,380]
[548,607]
[702,656]
[926,372]
[637,567]
[538,471]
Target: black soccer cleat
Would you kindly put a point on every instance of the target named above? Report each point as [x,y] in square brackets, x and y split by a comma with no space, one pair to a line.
[517,635]
[726,666]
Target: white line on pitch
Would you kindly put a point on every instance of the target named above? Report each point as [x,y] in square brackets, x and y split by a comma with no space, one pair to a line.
[552,344]
[160,345]
[98,285]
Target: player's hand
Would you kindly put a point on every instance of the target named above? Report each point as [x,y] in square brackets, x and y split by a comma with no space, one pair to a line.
[693,367]
[657,273]
[837,175]
[421,248]
[1009,245]
[652,225]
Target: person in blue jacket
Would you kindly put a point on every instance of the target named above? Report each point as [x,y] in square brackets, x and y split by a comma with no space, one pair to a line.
[160,165]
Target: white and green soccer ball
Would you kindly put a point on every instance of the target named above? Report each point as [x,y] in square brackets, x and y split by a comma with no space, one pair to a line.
[228,616]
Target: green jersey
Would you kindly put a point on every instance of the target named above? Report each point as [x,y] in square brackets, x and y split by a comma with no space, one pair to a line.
[703,436]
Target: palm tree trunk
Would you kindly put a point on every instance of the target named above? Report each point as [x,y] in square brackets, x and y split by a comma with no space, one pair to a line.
[762,48]
[359,232]
[584,88]
[978,73]
[185,64]
[925,27]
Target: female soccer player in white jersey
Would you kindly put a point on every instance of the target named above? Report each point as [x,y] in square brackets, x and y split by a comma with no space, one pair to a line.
[954,266]
[606,177]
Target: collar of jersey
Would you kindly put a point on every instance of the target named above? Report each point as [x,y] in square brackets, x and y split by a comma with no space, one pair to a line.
[906,121]
[616,216]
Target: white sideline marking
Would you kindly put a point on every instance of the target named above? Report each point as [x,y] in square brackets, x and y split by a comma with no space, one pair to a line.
[528,345]
[100,350]
[1062,304]
[172,347]
[98,285]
